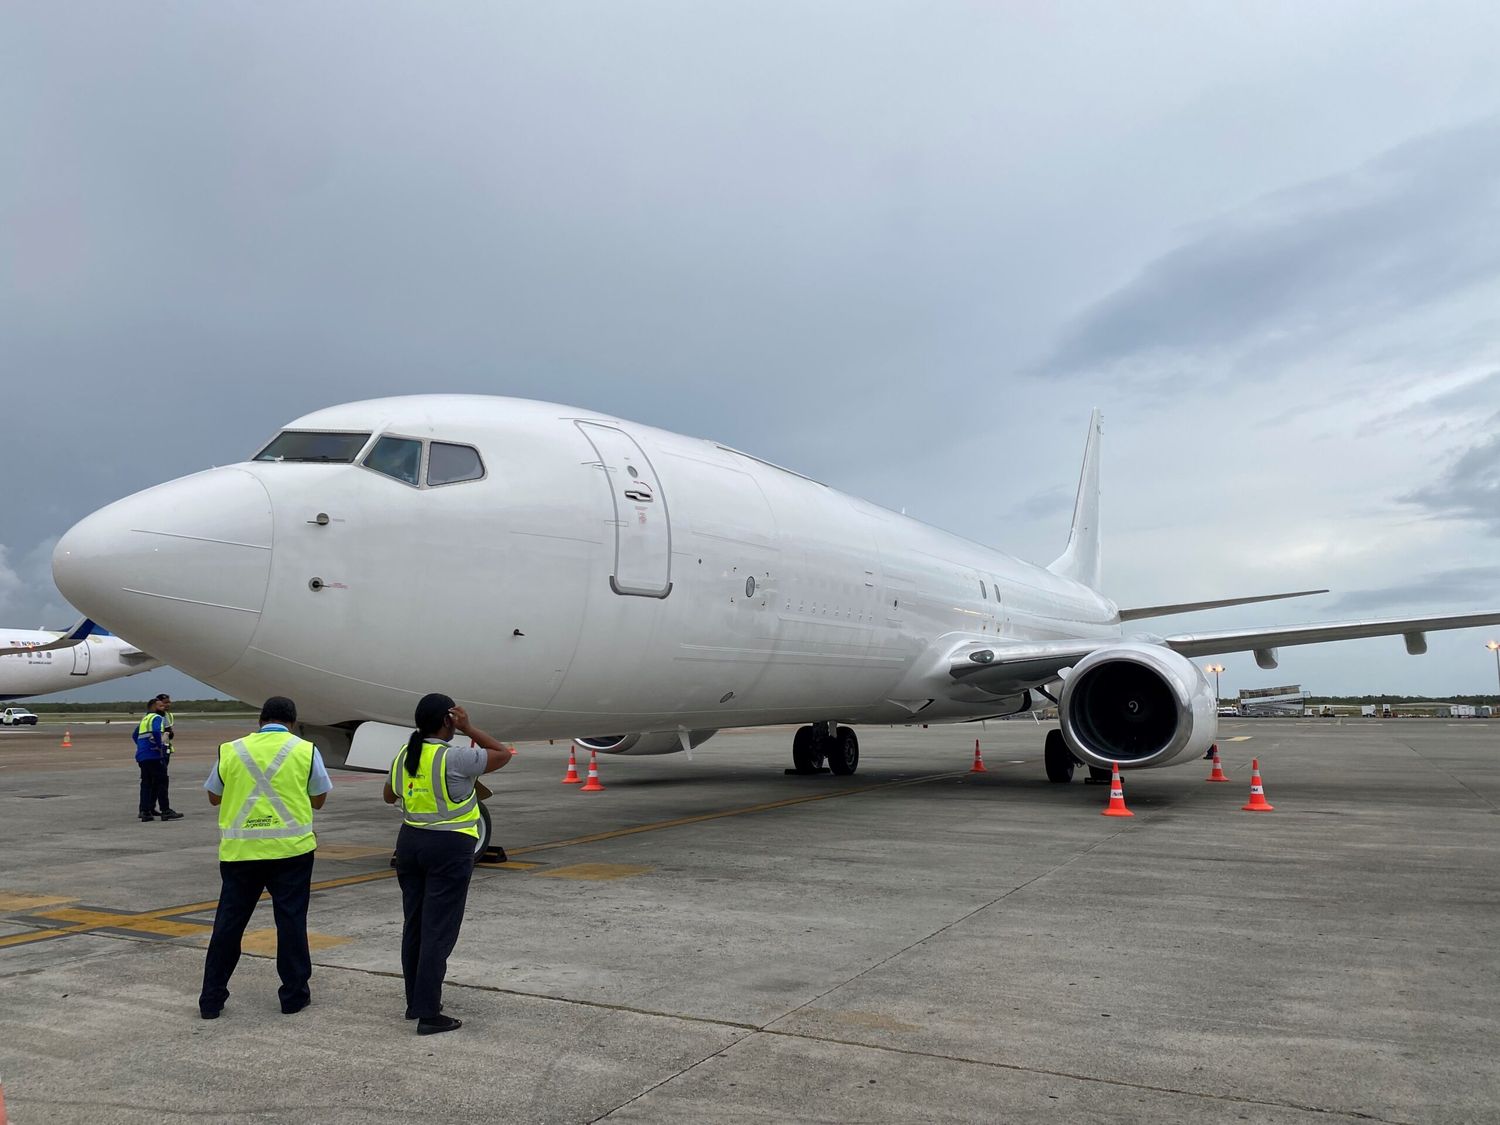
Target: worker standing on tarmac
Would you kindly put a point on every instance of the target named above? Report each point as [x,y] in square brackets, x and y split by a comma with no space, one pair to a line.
[434,783]
[151,750]
[266,785]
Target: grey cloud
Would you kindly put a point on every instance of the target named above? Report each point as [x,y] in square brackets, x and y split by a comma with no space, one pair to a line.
[1471,586]
[1468,489]
[1411,228]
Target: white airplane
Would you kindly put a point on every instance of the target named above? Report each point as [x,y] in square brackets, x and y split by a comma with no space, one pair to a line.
[564,573]
[39,661]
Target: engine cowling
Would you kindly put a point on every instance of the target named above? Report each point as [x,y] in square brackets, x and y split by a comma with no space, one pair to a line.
[1137,704]
[648,742]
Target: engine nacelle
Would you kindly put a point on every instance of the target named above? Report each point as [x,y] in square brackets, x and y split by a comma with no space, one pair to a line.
[650,742]
[1137,704]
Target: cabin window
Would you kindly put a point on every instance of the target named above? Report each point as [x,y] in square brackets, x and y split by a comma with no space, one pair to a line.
[399,458]
[449,464]
[318,446]
[983,593]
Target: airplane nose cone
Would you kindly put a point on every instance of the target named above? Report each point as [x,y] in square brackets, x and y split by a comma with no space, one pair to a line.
[179,570]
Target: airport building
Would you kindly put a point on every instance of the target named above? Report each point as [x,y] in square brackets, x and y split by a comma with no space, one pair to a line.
[1290,700]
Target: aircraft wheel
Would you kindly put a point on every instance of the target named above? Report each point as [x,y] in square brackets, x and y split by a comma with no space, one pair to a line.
[807,756]
[484,832]
[1058,757]
[843,755]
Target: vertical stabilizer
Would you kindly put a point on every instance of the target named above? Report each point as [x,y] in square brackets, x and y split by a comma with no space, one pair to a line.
[1080,561]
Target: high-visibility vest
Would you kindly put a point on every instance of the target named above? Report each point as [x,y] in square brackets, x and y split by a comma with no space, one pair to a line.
[143,733]
[425,802]
[168,733]
[265,812]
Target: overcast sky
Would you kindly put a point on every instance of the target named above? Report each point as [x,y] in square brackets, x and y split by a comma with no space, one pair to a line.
[901,247]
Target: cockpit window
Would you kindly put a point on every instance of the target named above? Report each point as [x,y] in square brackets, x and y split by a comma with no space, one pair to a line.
[314,445]
[448,463]
[396,457]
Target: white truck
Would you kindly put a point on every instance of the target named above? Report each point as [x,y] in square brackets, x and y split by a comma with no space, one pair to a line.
[17,717]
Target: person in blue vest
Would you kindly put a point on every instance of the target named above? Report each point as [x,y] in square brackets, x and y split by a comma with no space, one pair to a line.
[434,783]
[266,786]
[151,752]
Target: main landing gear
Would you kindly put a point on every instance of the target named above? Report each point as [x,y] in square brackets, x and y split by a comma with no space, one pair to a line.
[1061,763]
[817,743]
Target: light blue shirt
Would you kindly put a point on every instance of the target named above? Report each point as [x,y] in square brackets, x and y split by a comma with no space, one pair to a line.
[318,781]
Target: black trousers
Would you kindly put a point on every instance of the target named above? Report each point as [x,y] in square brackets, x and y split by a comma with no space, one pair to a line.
[290,883]
[433,869]
[154,787]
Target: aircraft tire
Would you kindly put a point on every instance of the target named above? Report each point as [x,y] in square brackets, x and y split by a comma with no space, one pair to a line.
[1058,757]
[843,754]
[484,832]
[806,757]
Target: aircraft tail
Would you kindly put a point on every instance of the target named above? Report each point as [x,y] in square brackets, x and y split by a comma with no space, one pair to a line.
[1080,560]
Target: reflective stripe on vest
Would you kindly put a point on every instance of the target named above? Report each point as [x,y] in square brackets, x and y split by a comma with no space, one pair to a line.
[425,802]
[277,832]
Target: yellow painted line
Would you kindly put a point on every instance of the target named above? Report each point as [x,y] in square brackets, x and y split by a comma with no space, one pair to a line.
[510,865]
[163,927]
[1240,738]
[34,935]
[90,920]
[595,871]
[16,901]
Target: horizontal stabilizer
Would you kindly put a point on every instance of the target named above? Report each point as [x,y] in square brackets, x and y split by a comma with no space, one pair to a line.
[1136,613]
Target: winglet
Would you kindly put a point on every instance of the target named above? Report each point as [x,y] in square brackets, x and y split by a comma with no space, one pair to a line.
[1081,561]
[74,636]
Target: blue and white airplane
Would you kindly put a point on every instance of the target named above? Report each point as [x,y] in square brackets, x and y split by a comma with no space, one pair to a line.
[39,661]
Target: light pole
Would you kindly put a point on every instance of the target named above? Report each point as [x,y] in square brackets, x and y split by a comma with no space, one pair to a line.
[1494,646]
[1217,668]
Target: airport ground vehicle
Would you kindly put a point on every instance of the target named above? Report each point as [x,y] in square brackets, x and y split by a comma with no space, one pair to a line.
[17,717]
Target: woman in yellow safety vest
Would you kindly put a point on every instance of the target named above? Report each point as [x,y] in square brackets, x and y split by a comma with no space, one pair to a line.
[434,783]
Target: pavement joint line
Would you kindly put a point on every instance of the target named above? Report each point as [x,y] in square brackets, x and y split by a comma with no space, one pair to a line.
[1450,776]
[169,912]
[1233,1099]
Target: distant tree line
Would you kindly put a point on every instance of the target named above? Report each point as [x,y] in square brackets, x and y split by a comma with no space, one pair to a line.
[1352,700]
[179,706]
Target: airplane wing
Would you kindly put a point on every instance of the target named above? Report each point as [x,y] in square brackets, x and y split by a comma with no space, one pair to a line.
[1264,642]
[73,636]
[1135,613]
[1005,668]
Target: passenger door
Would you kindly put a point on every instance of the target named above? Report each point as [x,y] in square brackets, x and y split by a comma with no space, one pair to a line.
[643,532]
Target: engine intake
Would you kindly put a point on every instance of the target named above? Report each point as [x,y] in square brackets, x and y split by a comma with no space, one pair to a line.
[649,742]
[1137,704]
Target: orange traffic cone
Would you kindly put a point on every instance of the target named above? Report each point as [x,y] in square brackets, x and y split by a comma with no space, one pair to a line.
[571,777]
[978,766]
[67,744]
[1116,805]
[1258,802]
[1217,774]
[592,784]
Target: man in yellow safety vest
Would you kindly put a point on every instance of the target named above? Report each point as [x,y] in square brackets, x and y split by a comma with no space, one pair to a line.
[266,786]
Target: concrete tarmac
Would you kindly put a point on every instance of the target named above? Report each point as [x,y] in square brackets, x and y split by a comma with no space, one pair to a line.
[715,941]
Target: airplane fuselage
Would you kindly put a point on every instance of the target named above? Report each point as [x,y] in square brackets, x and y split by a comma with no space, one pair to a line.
[35,671]
[601,577]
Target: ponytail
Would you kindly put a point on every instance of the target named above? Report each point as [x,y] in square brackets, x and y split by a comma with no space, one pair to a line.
[413,753]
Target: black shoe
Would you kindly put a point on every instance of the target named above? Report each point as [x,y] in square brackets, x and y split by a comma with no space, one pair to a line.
[171,814]
[148,816]
[296,1006]
[209,1013]
[436,1025]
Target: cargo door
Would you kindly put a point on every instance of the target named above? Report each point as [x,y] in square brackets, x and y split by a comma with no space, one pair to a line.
[643,533]
[81,658]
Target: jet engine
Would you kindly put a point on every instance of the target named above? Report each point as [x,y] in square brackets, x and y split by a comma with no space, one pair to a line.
[1137,704]
[650,742]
